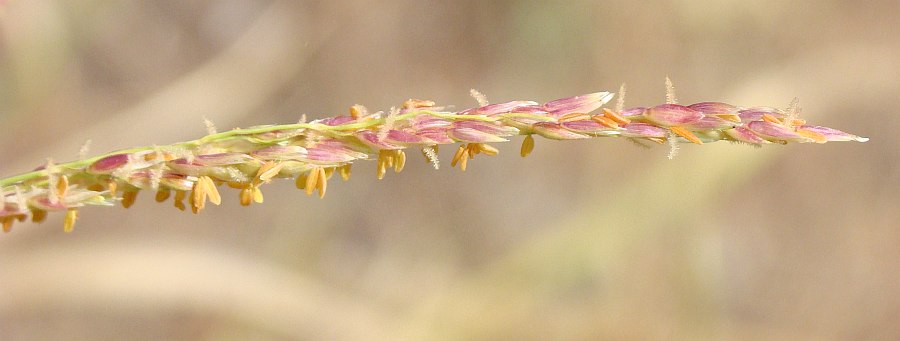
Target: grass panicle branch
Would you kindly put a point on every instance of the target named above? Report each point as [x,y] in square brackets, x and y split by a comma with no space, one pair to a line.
[191,173]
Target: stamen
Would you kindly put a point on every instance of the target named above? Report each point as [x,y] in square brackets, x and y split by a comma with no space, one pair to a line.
[257,195]
[819,138]
[322,183]
[111,186]
[472,149]
[615,117]
[382,168]
[357,111]
[527,145]
[400,162]
[329,172]
[7,224]
[69,222]
[729,117]
[246,195]
[574,117]
[457,156]
[38,215]
[211,190]
[464,159]
[417,103]
[301,181]
[345,171]
[178,201]
[771,119]
[605,121]
[312,180]
[62,186]
[128,198]
[681,131]
[488,149]
[268,171]
[162,195]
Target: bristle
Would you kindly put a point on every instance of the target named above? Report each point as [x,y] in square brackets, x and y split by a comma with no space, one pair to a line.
[620,101]
[673,145]
[479,97]
[431,156]
[670,92]
[83,150]
[388,124]
[210,127]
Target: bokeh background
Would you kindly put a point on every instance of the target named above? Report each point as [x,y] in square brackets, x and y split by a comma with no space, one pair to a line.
[594,239]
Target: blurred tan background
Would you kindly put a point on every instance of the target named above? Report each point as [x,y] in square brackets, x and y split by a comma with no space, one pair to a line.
[594,239]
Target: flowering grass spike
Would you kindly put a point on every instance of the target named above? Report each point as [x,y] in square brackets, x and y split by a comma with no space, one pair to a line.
[312,152]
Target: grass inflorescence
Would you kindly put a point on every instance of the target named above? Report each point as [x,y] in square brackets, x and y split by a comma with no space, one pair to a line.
[191,173]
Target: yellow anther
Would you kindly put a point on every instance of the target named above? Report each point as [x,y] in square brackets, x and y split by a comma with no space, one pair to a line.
[322,184]
[246,196]
[382,168]
[417,103]
[400,161]
[574,117]
[458,155]
[257,195]
[69,222]
[312,180]
[268,171]
[605,121]
[819,138]
[615,117]
[345,172]
[211,190]
[128,198]
[162,195]
[179,200]
[797,122]
[527,146]
[771,119]
[472,149]
[301,181]
[488,149]
[62,186]
[729,117]
[356,111]
[111,186]
[38,215]
[463,160]
[681,131]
